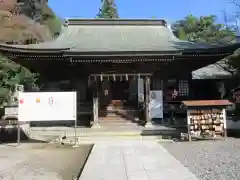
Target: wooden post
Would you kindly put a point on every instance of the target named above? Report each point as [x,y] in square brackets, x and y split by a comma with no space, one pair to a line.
[162,89]
[95,106]
[224,122]
[189,125]
[18,132]
[147,91]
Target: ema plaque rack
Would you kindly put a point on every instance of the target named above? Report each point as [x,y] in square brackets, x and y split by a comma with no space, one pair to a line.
[206,119]
[206,122]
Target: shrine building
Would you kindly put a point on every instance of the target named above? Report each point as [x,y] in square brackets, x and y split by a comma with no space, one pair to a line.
[114,63]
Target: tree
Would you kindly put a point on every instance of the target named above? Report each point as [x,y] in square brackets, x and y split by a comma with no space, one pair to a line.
[108,10]
[12,74]
[206,30]
[203,29]
[18,28]
[233,16]
[50,20]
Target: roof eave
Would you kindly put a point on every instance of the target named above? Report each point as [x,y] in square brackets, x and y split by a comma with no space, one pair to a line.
[70,53]
[32,50]
[116,21]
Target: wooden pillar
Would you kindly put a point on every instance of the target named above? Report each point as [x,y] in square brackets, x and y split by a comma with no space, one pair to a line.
[225,122]
[189,126]
[95,106]
[147,99]
[162,89]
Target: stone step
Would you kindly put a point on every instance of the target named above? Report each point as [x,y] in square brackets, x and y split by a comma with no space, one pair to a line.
[111,115]
[113,119]
[133,132]
[117,123]
[92,140]
[123,127]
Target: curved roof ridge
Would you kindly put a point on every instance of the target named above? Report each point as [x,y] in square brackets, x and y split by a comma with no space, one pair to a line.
[104,21]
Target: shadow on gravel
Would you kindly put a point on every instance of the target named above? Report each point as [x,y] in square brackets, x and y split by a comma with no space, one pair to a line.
[74,159]
[9,135]
[180,134]
[83,121]
[234,134]
[69,161]
[53,161]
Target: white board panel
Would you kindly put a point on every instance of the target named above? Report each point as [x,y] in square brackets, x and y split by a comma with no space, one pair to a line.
[156,104]
[47,106]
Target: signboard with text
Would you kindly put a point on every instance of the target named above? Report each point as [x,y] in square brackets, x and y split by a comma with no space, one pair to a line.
[156,104]
[47,106]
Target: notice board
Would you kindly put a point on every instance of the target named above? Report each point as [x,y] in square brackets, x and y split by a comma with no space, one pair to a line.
[156,104]
[47,106]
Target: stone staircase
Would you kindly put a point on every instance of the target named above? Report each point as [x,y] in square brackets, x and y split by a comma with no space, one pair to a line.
[117,116]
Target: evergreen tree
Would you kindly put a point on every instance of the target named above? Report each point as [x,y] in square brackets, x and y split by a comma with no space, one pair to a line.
[108,10]
[204,29]
[12,74]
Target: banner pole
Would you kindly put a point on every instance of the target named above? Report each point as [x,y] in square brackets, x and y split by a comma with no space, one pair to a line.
[18,133]
[75,124]
[75,133]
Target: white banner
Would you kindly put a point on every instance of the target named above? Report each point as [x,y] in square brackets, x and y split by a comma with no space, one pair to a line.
[156,104]
[47,106]
[140,90]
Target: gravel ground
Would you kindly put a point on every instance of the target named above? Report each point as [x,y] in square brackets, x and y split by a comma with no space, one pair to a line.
[42,161]
[209,160]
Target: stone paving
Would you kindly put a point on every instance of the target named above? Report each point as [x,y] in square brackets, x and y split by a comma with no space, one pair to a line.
[133,160]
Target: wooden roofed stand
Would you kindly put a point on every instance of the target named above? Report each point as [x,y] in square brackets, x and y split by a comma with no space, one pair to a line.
[102,59]
[206,118]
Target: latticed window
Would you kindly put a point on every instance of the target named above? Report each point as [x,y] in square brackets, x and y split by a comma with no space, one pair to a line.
[183,88]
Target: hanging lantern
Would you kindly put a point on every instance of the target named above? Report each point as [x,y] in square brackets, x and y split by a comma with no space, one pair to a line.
[101,77]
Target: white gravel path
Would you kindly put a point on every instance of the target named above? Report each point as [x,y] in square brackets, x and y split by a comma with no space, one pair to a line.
[209,160]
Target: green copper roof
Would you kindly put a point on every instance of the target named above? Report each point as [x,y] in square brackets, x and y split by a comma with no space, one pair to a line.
[113,35]
[219,70]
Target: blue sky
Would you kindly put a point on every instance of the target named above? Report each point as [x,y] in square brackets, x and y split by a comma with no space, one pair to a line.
[170,10]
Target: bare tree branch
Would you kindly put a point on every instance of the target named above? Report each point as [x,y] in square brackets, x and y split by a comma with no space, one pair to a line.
[235,3]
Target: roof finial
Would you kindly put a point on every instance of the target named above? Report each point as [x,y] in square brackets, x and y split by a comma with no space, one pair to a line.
[66,22]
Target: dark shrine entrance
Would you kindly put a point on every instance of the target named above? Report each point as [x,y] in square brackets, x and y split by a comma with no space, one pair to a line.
[113,96]
[116,97]
[119,90]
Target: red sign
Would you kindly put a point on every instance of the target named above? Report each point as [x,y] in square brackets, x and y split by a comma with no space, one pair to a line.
[21,101]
